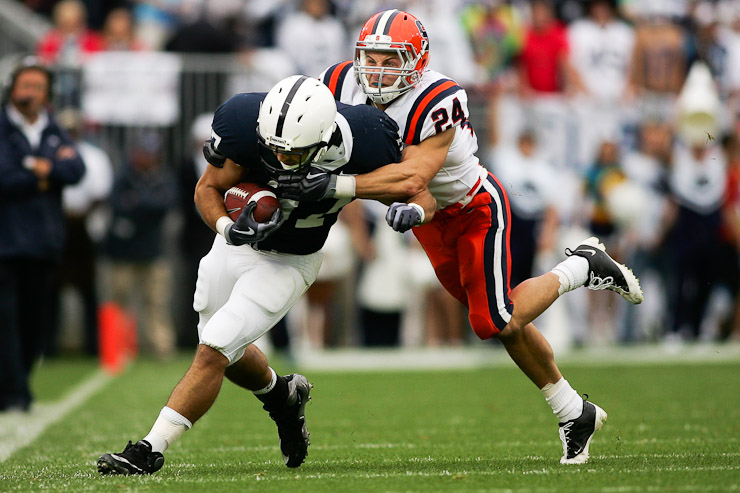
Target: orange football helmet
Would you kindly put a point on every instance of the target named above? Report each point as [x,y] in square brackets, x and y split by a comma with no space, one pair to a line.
[391,31]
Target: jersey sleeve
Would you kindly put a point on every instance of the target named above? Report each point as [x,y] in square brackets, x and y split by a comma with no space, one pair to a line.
[375,139]
[441,106]
[334,77]
[234,129]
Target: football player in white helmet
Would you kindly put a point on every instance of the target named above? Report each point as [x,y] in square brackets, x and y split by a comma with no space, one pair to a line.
[302,136]
[255,272]
[390,71]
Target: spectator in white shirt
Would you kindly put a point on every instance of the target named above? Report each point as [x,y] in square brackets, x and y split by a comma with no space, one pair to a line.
[313,37]
[601,48]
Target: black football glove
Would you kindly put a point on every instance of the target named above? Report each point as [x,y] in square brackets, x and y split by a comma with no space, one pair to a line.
[402,217]
[247,230]
[312,187]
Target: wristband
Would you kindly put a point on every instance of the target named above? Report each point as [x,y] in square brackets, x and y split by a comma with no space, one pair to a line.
[222,223]
[345,187]
[420,209]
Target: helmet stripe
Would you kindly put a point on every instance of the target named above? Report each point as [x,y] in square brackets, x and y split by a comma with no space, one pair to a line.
[389,23]
[384,21]
[286,105]
[375,24]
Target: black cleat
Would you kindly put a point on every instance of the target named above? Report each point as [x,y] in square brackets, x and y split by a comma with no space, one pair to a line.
[136,458]
[576,434]
[291,421]
[606,273]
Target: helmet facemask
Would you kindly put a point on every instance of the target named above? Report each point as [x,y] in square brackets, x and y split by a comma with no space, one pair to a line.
[407,74]
[299,159]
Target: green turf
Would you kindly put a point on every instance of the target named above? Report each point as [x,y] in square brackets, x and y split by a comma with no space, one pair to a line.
[670,428]
[57,375]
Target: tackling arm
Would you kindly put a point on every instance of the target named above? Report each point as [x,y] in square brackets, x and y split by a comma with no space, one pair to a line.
[406,181]
[410,177]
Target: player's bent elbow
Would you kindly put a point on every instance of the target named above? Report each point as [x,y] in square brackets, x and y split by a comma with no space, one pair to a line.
[195,195]
[412,186]
[198,192]
[204,193]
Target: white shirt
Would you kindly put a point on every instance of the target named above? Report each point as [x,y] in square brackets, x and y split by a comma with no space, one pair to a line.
[32,131]
[602,56]
[311,43]
[646,172]
[643,169]
[530,181]
[699,185]
[95,184]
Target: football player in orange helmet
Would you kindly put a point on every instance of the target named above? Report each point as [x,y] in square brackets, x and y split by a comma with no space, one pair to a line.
[467,241]
[391,55]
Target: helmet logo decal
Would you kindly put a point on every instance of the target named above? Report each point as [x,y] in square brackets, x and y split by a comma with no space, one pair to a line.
[424,37]
[276,141]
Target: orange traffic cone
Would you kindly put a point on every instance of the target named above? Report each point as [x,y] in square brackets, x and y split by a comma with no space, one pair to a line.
[116,337]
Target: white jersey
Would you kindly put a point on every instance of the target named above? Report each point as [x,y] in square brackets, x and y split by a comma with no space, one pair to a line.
[435,104]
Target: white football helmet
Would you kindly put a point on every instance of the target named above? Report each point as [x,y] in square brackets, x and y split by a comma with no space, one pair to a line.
[296,120]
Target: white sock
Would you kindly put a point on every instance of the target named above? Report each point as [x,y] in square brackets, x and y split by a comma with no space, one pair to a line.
[572,273]
[167,429]
[270,385]
[564,401]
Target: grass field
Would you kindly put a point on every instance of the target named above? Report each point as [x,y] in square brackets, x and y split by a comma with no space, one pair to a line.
[671,427]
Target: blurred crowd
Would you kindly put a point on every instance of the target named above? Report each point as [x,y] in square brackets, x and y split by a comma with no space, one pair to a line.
[612,118]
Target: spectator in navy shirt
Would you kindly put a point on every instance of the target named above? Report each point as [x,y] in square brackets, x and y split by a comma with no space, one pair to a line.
[37,159]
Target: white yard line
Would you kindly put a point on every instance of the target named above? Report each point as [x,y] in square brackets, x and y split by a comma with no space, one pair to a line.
[20,429]
[487,355]
[462,473]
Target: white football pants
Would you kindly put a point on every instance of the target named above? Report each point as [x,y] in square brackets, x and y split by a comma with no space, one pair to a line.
[242,293]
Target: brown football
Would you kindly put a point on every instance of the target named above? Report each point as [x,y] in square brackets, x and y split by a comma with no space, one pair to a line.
[242,194]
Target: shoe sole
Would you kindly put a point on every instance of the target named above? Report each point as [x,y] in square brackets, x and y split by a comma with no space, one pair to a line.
[582,458]
[634,295]
[107,465]
[304,388]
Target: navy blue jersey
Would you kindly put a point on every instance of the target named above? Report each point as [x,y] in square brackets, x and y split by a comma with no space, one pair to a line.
[365,139]
[31,220]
